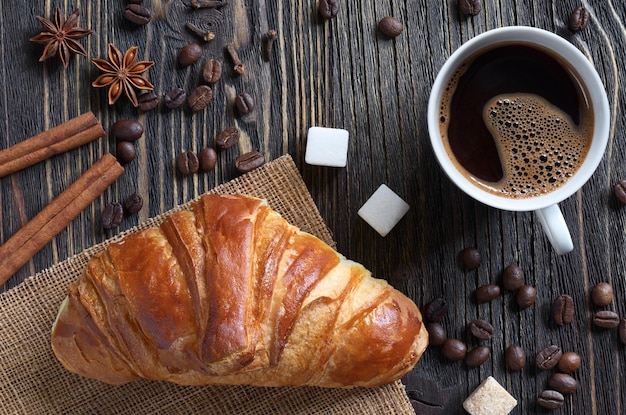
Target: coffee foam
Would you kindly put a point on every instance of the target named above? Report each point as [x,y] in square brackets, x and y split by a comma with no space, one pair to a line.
[539,145]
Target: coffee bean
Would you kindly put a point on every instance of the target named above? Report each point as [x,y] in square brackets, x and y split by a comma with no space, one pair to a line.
[470,7]
[563,383]
[328,9]
[621,330]
[550,399]
[112,215]
[133,204]
[249,161]
[208,159]
[515,358]
[569,362]
[436,310]
[200,98]
[454,349]
[227,138]
[579,19]
[189,55]
[127,130]
[602,294]
[563,309]
[147,101]
[125,151]
[512,278]
[481,329]
[606,319]
[244,103]
[390,26]
[436,334]
[526,296]
[549,357]
[470,259]
[137,14]
[477,356]
[212,71]
[174,98]
[188,163]
[487,292]
[620,191]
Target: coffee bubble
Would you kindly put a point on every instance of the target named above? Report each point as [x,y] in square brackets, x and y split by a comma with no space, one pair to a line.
[539,145]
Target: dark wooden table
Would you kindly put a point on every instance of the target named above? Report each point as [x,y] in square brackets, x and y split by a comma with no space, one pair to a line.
[342,74]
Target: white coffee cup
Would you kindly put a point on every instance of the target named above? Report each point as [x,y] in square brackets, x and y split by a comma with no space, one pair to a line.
[545,206]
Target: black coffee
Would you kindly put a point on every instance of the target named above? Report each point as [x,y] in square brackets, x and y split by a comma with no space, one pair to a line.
[517,120]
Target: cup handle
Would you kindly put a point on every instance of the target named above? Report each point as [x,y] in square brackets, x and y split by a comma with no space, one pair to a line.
[554,226]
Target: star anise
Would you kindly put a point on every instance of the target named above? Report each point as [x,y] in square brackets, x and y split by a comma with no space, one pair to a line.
[122,74]
[61,36]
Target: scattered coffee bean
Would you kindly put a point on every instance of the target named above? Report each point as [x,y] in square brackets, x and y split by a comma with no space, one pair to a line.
[189,55]
[127,130]
[133,204]
[550,399]
[549,357]
[147,101]
[137,14]
[526,296]
[515,358]
[328,9]
[244,103]
[454,349]
[249,161]
[227,138]
[212,71]
[563,309]
[602,294]
[125,151]
[579,19]
[621,330]
[470,7]
[563,383]
[436,310]
[390,26]
[174,98]
[569,362]
[470,259]
[188,163]
[512,278]
[112,215]
[606,319]
[436,334]
[208,159]
[477,356]
[481,329]
[200,98]
[487,292]
[620,191]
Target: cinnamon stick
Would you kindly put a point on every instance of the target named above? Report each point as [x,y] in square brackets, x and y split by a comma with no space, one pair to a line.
[69,135]
[40,230]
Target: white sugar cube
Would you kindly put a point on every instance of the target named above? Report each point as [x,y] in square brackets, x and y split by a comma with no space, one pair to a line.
[383,210]
[327,147]
[490,398]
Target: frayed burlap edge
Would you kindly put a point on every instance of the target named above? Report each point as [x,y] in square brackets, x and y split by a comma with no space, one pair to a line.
[32,381]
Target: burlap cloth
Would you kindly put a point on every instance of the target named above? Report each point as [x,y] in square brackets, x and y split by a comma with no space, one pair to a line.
[32,381]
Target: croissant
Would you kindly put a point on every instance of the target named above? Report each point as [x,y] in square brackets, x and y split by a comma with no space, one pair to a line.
[227,292]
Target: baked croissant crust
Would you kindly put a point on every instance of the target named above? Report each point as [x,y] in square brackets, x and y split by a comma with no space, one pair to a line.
[227,292]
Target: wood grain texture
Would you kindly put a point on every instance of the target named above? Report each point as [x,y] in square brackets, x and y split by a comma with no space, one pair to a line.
[341,74]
